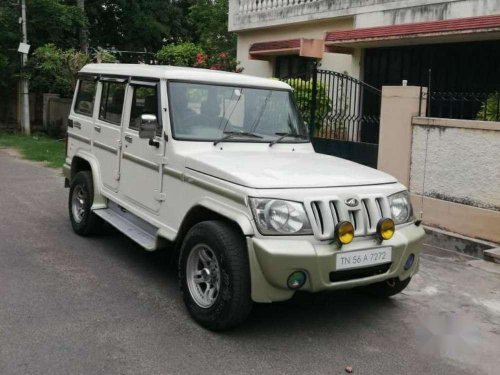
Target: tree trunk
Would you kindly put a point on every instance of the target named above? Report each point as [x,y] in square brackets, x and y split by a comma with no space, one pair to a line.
[84,43]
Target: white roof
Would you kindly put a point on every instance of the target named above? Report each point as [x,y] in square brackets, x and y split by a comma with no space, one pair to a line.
[185,74]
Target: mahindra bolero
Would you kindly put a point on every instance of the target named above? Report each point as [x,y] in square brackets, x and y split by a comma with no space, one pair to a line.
[219,168]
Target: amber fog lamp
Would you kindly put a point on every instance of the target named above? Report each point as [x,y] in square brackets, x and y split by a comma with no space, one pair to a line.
[344,232]
[385,229]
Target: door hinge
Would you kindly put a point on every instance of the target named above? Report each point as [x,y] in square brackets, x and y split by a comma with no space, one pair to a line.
[117,175]
[160,196]
[164,161]
[119,145]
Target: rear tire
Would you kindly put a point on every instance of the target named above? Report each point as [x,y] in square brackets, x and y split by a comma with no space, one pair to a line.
[81,198]
[387,288]
[214,275]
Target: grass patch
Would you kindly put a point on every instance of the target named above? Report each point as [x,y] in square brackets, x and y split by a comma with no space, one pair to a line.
[36,147]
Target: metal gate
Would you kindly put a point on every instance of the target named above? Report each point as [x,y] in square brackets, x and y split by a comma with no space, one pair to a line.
[343,114]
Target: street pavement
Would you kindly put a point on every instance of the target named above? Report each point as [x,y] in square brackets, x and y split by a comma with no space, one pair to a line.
[102,305]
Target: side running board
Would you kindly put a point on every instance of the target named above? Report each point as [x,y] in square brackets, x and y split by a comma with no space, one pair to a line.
[133,227]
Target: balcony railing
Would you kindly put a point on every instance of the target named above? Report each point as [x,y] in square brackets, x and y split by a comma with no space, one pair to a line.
[253,14]
[248,14]
[250,6]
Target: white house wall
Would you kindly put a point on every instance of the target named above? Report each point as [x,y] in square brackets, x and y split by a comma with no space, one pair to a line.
[424,11]
[316,30]
[460,165]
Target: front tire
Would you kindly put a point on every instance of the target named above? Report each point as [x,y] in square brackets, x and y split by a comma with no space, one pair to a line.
[387,288]
[81,197]
[215,275]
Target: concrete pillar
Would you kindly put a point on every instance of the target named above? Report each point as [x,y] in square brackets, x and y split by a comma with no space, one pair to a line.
[399,105]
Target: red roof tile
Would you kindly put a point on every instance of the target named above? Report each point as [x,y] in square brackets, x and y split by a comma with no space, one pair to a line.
[408,29]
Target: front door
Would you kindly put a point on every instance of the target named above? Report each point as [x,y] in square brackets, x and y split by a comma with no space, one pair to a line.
[140,173]
[107,131]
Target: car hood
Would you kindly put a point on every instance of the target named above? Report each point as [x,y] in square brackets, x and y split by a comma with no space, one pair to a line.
[270,170]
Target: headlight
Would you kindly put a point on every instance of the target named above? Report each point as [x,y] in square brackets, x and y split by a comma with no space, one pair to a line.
[401,209]
[278,217]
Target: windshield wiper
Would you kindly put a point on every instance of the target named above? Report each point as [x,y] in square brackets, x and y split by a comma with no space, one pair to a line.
[231,114]
[285,135]
[257,120]
[231,134]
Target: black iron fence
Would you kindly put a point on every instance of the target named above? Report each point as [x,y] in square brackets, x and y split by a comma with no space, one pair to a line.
[337,106]
[483,106]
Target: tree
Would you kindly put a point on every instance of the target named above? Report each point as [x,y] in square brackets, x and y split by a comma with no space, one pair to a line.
[139,25]
[208,19]
[48,20]
[84,42]
[183,54]
[9,40]
[54,21]
[101,55]
[192,55]
[490,109]
[54,70]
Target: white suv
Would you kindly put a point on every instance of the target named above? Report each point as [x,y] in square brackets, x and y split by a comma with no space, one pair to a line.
[220,167]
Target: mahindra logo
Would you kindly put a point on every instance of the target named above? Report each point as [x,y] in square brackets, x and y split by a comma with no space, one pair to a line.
[351,202]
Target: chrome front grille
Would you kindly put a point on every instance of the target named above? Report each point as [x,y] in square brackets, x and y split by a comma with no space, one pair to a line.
[326,213]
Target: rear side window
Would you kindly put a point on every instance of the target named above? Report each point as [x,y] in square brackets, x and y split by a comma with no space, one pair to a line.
[144,101]
[112,97]
[84,103]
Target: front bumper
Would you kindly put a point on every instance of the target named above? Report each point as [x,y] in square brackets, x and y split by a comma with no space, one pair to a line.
[272,260]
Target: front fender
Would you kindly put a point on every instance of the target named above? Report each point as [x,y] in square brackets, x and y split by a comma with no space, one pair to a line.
[239,216]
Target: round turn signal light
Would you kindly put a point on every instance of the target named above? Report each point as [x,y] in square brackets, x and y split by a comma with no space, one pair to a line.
[385,229]
[344,231]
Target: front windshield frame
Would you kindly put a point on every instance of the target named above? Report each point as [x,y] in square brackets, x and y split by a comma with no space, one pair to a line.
[293,103]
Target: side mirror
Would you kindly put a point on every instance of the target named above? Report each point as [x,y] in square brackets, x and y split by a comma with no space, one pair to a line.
[148,126]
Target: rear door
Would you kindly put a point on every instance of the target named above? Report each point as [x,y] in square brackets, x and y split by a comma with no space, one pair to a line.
[81,121]
[107,130]
[141,159]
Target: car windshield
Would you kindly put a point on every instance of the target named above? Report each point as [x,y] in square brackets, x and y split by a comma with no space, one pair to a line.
[204,112]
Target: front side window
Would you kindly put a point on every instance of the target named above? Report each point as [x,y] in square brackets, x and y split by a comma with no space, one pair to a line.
[144,101]
[206,112]
[84,103]
[112,97]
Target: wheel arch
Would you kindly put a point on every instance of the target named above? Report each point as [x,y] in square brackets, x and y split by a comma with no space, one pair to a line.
[207,210]
[85,162]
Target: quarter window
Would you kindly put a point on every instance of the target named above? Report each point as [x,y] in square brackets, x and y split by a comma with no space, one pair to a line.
[144,101]
[84,103]
[112,97]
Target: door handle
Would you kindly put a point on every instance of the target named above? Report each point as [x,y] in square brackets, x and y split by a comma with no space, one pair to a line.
[77,125]
[128,138]
[154,143]
[97,128]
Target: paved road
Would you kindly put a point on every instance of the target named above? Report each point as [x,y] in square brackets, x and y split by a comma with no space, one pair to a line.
[72,305]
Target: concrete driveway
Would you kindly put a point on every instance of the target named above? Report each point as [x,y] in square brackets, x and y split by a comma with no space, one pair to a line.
[101,305]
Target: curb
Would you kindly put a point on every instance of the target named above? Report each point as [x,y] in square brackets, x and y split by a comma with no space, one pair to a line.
[456,242]
[493,255]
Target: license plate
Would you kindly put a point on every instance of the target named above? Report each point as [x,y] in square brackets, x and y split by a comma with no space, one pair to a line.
[363,258]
